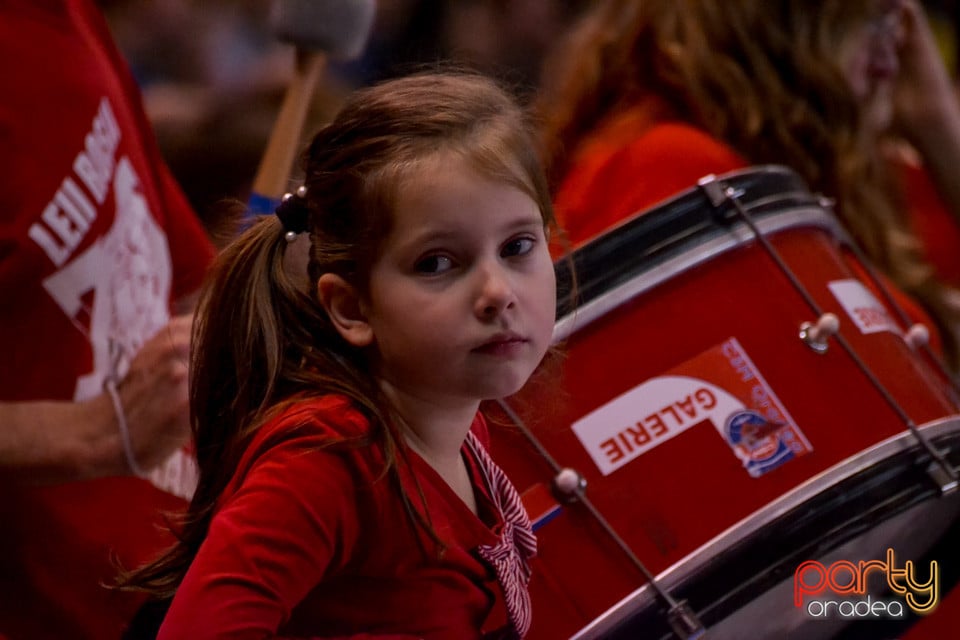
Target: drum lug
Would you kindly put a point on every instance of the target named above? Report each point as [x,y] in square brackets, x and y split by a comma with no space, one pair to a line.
[685,624]
[945,481]
[569,484]
[917,336]
[816,334]
[716,191]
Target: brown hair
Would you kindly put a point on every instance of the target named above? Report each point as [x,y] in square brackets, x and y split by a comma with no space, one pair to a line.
[761,75]
[260,342]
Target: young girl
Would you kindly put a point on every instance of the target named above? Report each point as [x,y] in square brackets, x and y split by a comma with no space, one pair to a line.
[644,98]
[345,490]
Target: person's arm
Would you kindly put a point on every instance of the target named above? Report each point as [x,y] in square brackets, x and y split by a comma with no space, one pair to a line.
[926,108]
[58,441]
[275,538]
[293,520]
[50,441]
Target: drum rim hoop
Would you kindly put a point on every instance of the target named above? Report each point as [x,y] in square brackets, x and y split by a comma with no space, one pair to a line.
[739,235]
[673,576]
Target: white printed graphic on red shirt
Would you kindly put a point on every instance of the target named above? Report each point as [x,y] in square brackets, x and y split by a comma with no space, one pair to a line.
[116,291]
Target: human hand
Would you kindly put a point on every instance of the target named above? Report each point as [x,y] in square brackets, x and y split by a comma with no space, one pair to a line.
[923,93]
[154,394]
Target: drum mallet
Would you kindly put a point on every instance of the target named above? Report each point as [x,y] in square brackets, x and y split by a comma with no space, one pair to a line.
[319,29]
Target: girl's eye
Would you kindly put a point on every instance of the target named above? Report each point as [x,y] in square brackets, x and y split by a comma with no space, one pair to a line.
[434,264]
[518,247]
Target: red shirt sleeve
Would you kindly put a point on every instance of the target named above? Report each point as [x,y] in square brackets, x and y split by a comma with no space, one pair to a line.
[616,178]
[932,222]
[291,518]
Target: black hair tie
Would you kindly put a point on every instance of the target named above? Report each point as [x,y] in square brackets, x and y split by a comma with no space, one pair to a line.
[293,213]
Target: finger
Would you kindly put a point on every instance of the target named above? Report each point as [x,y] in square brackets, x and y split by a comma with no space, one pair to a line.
[180,326]
[177,335]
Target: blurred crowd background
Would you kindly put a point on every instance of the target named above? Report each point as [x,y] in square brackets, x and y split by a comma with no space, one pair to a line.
[213,74]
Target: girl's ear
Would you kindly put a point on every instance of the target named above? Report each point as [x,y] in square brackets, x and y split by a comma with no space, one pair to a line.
[342,303]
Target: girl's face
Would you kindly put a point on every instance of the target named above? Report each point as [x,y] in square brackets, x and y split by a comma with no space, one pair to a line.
[462,298]
[869,59]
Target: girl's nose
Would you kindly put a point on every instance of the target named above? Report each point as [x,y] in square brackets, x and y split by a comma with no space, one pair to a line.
[495,293]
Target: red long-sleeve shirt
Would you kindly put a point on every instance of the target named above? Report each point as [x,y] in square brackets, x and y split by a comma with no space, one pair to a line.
[314,542]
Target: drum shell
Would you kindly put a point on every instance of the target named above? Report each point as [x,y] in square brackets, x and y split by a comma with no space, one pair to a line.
[684,492]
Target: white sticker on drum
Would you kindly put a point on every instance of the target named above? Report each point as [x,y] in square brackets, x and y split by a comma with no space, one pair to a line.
[721,385]
[862,306]
[649,415]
